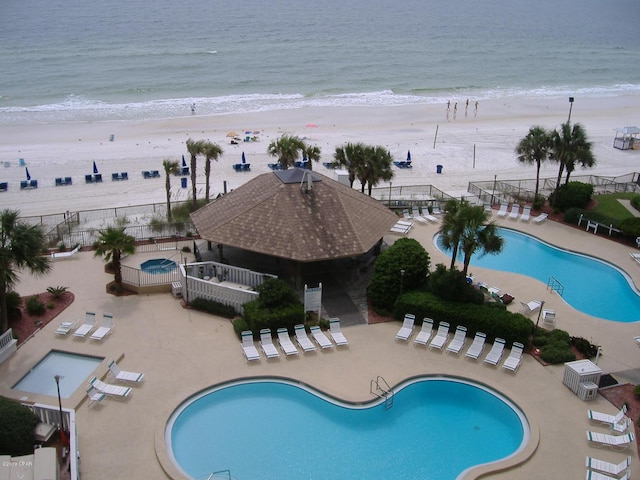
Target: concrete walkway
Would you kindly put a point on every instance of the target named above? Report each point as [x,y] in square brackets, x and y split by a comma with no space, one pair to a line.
[181,352]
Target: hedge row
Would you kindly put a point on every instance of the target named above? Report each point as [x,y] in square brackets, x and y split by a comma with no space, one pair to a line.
[494,322]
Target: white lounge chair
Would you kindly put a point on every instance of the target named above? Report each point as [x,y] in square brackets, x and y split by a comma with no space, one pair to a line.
[94,395]
[475,350]
[428,216]
[495,354]
[591,475]
[459,339]
[407,327]
[540,218]
[526,214]
[623,425]
[605,418]
[108,389]
[336,332]
[66,254]
[302,339]
[65,327]
[441,336]
[548,318]
[607,467]
[530,307]
[86,327]
[266,343]
[514,213]
[515,357]
[406,214]
[503,210]
[249,349]
[636,257]
[123,375]
[105,329]
[321,339]
[285,342]
[425,332]
[616,442]
[415,213]
[436,209]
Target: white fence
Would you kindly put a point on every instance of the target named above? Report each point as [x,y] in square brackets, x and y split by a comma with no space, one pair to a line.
[8,345]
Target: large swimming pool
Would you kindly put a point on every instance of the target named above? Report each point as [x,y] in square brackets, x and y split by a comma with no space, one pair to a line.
[276,429]
[591,285]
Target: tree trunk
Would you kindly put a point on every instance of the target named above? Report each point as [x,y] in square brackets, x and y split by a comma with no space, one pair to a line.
[207,174]
[117,267]
[193,181]
[4,315]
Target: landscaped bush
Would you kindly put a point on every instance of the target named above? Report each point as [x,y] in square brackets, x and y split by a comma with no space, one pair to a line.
[13,304]
[631,226]
[452,285]
[57,292]
[275,293]
[213,307]
[556,353]
[572,194]
[554,345]
[635,202]
[34,306]
[407,255]
[17,424]
[584,346]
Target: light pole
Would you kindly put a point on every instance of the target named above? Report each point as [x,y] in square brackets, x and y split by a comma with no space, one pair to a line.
[570,107]
[401,280]
[63,438]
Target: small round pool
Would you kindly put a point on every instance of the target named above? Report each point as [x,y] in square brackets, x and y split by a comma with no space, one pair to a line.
[158,265]
[436,427]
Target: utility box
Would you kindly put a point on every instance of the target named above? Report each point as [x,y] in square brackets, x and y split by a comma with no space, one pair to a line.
[342,176]
[582,378]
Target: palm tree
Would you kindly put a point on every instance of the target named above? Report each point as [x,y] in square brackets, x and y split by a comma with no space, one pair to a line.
[112,243]
[352,157]
[211,151]
[312,152]
[534,149]
[570,145]
[21,247]
[171,167]
[451,229]
[286,149]
[194,148]
[378,166]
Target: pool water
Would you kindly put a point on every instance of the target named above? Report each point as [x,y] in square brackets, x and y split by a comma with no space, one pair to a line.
[158,265]
[592,286]
[73,368]
[267,429]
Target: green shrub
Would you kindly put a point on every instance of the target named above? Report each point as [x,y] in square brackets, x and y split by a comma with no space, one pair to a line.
[388,280]
[34,306]
[635,202]
[276,293]
[631,226]
[186,249]
[57,292]
[258,317]
[62,247]
[538,203]
[555,353]
[452,285]
[584,346]
[13,304]
[572,194]
[51,305]
[17,424]
[213,307]
[239,326]
[636,390]
[572,215]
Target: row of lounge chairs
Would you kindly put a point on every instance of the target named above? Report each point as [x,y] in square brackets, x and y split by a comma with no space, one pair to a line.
[440,341]
[287,346]
[415,214]
[514,213]
[600,469]
[97,390]
[86,328]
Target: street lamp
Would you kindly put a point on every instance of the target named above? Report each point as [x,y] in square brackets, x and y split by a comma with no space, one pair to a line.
[570,107]
[63,438]
[401,280]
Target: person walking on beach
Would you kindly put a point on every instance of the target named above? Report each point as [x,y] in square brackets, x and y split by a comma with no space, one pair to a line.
[466,107]
[475,109]
[193,109]
[448,108]
[455,110]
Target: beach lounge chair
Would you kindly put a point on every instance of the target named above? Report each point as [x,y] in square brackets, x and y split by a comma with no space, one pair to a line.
[441,336]
[406,214]
[407,327]
[636,257]
[108,389]
[336,332]
[495,354]
[540,218]
[285,342]
[266,343]
[616,442]
[105,329]
[548,318]
[503,210]
[623,425]
[88,324]
[591,475]
[94,395]
[66,254]
[249,350]
[514,213]
[607,467]
[415,213]
[321,339]
[428,216]
[605,418]
[459,339]
[530,307]
[65,327]
[301,337]
[425,332]
[475,350]
[123,375]
[515,357]
[526,214]
[435,209]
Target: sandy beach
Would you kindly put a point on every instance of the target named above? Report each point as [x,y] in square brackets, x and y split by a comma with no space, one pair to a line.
[69,149]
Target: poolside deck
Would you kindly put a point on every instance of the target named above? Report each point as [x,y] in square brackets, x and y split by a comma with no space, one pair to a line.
[182,351]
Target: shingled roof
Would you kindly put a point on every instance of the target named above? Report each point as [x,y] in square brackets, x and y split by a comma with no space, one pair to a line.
[277,214]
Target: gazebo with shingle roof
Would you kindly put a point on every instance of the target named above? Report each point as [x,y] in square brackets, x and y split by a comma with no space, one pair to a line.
[295,214]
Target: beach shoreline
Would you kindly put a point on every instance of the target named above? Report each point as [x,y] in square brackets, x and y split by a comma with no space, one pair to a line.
[473,146]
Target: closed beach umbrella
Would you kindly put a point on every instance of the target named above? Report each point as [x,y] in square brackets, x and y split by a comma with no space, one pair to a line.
[95,168]
[184,163]
[408,155]
[27,172]
[232,134]
[244,160]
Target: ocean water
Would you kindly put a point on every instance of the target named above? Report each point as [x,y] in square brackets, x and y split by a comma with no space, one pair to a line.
[79,60]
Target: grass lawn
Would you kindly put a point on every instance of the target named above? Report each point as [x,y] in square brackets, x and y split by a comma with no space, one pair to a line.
[609,206]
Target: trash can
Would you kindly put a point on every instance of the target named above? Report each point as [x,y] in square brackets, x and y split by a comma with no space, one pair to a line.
[438,168]
[183,182]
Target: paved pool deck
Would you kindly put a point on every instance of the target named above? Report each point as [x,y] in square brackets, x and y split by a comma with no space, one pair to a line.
[181,352]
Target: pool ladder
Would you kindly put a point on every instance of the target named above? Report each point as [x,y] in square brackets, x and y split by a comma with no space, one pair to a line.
[381,389]
[553,284]
[219,474]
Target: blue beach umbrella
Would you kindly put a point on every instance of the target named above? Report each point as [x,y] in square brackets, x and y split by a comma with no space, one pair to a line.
[95,168]
[244,160]
[408,155]
[184,164]
[27,172]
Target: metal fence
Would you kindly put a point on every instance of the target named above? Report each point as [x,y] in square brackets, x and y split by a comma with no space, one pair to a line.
[409,196]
